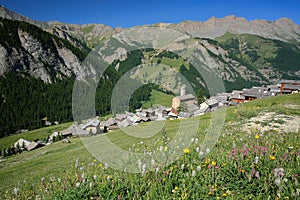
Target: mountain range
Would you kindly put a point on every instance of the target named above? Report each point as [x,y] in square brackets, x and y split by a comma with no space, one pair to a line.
[246,53]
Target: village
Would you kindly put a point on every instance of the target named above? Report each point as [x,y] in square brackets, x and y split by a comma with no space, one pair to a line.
[183,106]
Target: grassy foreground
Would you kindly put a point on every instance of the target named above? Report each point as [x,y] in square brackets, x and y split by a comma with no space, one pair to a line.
[242,165]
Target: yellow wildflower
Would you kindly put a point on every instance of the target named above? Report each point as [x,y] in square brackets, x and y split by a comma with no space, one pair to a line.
[272,157]
[95,160]
[243,171]
[186,150]
[224,195]
[213,163]
[257,136]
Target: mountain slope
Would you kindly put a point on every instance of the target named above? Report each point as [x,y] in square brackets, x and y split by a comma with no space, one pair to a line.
[39,62]
[27,48]
[273,58]
[282,29]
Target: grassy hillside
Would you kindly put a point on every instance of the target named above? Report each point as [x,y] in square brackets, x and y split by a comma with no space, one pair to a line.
[261,52]
[158,98]
[243,164]
[32,135]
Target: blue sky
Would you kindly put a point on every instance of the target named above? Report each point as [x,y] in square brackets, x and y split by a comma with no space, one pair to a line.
[128,13]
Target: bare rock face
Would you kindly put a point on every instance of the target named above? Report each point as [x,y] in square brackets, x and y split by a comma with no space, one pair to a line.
[282,29]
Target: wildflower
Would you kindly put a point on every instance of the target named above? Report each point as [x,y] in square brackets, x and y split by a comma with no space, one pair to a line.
[277,181]
[76,163]
[213,163]
[196,141]
[90,184]
[285,180]
[217,167]
[59,180]
[77,184]
[257,175]
[186,150]
[95,160]
[182,166]
[193,173]
[197,149]
[256,159]
[143,169]
[140,164]
[157,170]
[224,195]
[278,172]
[119,197]
[198,168]
[272,157]
[201,153]
[207,150]
[152,162]
[105,166]
[161,148]
[166,148]
[257,136]
[243,171]
[175,189]
[16,190]
[100,165]
[95,177]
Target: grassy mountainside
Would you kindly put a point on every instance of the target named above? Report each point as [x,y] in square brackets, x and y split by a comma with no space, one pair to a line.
[262,53]
[243,164]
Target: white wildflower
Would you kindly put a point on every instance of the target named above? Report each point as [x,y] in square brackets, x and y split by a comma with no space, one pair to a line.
[105,166]
[152,162]
[157,170]
[140,164]
[95,177]
[201,153]
[161,148]
[197,149]
[193,173]
[16,190]
[198,168]
[256,159]
[143,169]
[182,167]
[207,150]
[77,184]
[277,181]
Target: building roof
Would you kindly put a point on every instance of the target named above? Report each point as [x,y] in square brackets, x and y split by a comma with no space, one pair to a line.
[34,145]
[186,97]
[211,102]
[21,141]
[93,123]
[291,87]
[185,114]
[110,122]
[290,82]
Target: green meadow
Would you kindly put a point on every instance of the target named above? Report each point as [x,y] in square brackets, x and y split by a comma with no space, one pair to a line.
[242,164]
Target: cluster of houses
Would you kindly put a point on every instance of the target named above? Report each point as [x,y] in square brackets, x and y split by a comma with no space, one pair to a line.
[183,106]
